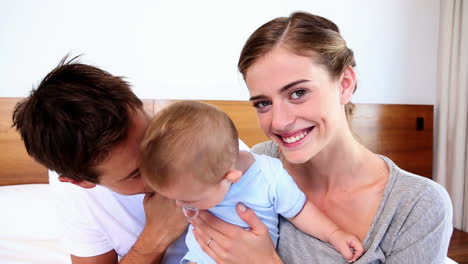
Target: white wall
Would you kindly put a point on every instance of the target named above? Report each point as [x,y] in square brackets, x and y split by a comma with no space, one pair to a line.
[189,49]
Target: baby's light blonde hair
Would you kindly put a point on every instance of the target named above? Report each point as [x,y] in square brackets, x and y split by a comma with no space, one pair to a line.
[188,138]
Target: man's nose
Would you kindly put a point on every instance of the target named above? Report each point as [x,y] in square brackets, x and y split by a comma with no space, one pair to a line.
[147,188]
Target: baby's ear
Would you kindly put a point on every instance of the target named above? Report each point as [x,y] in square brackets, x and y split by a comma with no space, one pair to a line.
[233,175]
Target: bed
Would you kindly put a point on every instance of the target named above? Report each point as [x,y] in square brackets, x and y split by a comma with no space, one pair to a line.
[29,223]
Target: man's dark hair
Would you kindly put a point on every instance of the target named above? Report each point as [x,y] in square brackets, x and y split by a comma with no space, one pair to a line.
[70,122]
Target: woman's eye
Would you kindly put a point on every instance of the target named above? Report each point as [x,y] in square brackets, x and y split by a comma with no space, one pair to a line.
[261,104]
[298,94]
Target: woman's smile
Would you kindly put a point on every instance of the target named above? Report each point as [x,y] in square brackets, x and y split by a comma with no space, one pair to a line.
[293,139]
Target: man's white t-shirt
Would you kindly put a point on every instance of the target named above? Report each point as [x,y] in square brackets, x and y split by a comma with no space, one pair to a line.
[95,221]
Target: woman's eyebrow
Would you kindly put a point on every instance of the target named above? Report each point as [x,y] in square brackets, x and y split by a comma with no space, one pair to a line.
[289,85]
[284,88]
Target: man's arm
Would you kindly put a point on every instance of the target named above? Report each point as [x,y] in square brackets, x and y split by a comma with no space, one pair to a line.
[164,224]
[106,258]
[141,252]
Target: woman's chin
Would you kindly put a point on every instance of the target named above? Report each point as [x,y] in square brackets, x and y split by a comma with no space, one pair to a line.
[295,157]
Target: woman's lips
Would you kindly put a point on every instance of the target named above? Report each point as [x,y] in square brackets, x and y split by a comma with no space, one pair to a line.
[297,136]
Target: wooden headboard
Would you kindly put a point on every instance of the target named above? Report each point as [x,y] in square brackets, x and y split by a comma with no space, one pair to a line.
[401,132]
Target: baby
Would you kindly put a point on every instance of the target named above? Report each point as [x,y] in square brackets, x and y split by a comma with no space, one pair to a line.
[190,153]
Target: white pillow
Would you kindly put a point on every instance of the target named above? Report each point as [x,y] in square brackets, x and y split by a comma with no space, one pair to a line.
[450,261]
[243,146]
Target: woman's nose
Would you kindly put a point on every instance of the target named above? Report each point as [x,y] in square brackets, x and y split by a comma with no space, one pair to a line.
[282,118]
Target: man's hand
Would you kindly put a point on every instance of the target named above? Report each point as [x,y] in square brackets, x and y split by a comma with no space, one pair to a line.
[165,222]
[164,218]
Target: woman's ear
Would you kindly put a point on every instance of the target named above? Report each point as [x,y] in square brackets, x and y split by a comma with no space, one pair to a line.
[348,83]
[233,175]
[81,183]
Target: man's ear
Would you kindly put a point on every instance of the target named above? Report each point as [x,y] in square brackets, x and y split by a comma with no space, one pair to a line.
[233,175]
[81,183]
[348,83]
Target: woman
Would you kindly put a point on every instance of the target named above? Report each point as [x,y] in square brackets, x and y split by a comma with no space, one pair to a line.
[300,76]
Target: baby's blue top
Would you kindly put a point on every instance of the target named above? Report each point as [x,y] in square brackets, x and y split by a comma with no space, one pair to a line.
[267,189]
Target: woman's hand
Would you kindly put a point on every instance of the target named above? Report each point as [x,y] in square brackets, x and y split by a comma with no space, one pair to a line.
[227,243]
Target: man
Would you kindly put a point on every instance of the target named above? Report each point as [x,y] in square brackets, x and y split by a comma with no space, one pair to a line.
[87,125]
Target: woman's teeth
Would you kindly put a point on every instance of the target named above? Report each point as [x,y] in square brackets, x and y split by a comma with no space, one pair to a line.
[295,138]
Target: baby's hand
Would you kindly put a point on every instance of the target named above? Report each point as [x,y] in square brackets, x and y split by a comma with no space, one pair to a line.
[347,244]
